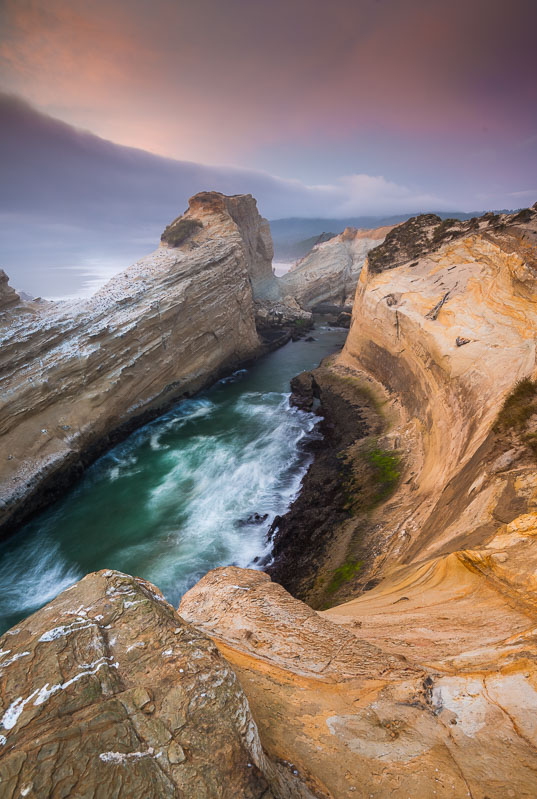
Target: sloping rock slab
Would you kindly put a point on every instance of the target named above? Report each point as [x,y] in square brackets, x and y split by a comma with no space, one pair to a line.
[106,692]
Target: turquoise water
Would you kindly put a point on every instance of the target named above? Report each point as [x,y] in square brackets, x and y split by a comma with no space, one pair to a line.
[176,498]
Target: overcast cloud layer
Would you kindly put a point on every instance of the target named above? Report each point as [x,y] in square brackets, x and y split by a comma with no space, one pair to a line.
[358,106]
[75,207]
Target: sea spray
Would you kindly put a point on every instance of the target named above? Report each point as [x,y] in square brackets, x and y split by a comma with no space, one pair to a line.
[195,489]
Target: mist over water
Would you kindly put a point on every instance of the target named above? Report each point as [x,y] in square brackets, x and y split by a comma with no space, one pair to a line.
[176,498]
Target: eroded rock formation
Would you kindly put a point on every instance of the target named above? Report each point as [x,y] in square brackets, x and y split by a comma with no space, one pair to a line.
[8,296]
[448,334]
[418,678]
[436,344]
[76,376]
[423,687]
[329,273]
[442,348]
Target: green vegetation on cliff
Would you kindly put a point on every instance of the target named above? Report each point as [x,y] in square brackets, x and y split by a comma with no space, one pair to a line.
[179,231]
[343,574]
[370,475]
[515,414]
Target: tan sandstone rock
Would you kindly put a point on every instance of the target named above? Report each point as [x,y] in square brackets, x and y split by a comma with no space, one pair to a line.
[446,329]
[444,325]
[330,272]
[423,687]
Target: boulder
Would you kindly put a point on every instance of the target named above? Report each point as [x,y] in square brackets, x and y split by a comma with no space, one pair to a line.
[107,692]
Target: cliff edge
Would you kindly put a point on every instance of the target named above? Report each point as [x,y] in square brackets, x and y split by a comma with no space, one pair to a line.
[329,273]
[75,377]
[418,677]
[417,674]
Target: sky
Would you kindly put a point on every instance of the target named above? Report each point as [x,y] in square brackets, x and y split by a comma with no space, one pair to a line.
[354,107]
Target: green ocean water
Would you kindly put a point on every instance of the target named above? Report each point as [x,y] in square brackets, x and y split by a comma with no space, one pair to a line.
[176,498]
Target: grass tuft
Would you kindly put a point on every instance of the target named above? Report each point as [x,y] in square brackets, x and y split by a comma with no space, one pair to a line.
[179,231]
[343,574]
[368,478]
[387,464]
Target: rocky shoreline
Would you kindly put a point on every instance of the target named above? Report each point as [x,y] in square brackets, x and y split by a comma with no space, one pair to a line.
[49,489]
[311,539]
[424,491]
[77,378]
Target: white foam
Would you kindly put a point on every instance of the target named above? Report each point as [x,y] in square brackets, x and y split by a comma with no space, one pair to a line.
[31,576]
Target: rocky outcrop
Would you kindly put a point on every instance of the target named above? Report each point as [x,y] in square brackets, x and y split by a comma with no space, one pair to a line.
[254,232]
[8,296]
[447,335]
[418,677]
[436,344]
[108,692]
[302,538]
[423,687]
[440,572]
[329,273]
[76,376]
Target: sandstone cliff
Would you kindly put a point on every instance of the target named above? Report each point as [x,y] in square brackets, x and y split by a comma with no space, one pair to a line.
[419,676]
[444,326]
[75,376]
[424,687]
[425,683]
[447,327]
[329,273]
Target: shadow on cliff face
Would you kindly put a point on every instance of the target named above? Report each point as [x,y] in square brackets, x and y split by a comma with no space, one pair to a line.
[509,449]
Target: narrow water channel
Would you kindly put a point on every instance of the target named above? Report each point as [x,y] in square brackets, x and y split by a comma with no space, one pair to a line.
[180,495]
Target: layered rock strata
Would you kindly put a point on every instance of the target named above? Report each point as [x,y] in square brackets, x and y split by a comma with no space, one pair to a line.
[423,687]
[108,692]
[437,342]
[76,376]
[443,342]
[448,333]
[329,273]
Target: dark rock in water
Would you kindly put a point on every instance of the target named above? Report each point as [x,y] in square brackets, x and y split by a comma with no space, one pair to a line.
[253,518]
[302,391]
[310,338]
[344,320]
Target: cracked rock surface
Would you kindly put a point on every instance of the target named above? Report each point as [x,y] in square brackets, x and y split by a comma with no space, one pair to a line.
[107,692]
